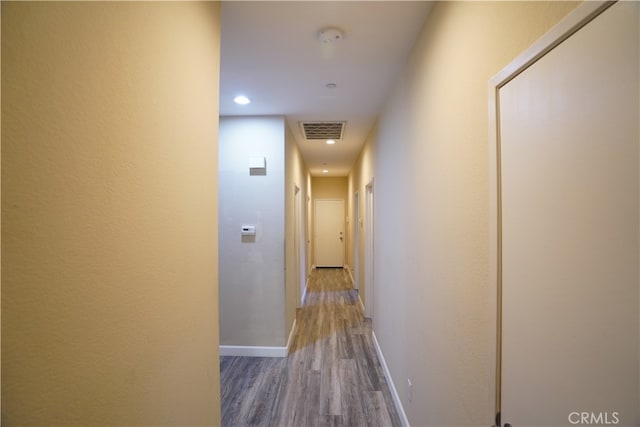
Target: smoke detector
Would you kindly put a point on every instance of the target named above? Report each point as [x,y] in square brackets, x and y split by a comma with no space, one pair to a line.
[330,35]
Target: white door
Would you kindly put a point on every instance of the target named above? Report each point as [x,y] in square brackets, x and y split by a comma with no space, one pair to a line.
[329,233]
[568,158]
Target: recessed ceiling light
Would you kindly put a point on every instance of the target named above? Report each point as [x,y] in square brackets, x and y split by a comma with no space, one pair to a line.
[325,170]
[242,100]
[331,85]
[330,141]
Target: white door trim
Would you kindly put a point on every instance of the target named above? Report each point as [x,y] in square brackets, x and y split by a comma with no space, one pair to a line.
[298,244]
[582,15]
[356,240]
[369,252]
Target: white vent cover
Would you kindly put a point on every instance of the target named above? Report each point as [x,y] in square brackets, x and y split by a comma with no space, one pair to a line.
[322,130]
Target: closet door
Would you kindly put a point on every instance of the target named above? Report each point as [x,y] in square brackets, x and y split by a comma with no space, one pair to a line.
[569,207]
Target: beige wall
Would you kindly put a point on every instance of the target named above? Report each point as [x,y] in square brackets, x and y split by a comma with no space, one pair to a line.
[296,175]
[109,213]
[431,206]
[329,187]
[326,188]
[360,176]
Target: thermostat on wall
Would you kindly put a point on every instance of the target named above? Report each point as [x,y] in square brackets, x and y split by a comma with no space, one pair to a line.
[248,230]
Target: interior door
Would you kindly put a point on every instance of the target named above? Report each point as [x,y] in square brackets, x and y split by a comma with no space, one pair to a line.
[329,233]
[569,156]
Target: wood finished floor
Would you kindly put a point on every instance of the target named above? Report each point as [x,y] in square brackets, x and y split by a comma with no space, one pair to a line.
[332,376]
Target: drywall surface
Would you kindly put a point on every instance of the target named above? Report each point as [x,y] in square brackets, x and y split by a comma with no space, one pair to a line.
[252,276]
[431,207]
[109,213]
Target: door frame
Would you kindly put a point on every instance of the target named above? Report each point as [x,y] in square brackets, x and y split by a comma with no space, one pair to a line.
[356,240]
[369,251]
[578,18]
[299,240]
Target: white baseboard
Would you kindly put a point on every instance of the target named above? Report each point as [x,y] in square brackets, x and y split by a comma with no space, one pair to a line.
[392,387]
[260,351]
[252,351]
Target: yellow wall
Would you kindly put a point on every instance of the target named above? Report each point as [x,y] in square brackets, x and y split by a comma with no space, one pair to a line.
[109,213]
[431,197]
[329,188]
[360,176]
[326,188]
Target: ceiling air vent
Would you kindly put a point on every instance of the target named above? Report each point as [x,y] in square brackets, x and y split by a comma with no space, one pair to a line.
[322,130]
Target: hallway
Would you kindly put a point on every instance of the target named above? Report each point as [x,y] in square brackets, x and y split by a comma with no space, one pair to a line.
[332,375]
[154,229]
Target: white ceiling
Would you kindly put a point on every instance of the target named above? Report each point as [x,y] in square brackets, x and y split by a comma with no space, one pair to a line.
[271,53]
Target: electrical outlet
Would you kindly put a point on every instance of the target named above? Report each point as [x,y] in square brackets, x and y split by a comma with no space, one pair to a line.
[410,389]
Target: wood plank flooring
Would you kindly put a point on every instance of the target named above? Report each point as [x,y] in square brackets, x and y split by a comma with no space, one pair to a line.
[332,376]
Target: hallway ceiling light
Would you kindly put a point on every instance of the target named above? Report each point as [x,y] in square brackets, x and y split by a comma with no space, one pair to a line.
[241,100]
[330,141]
[325,170]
